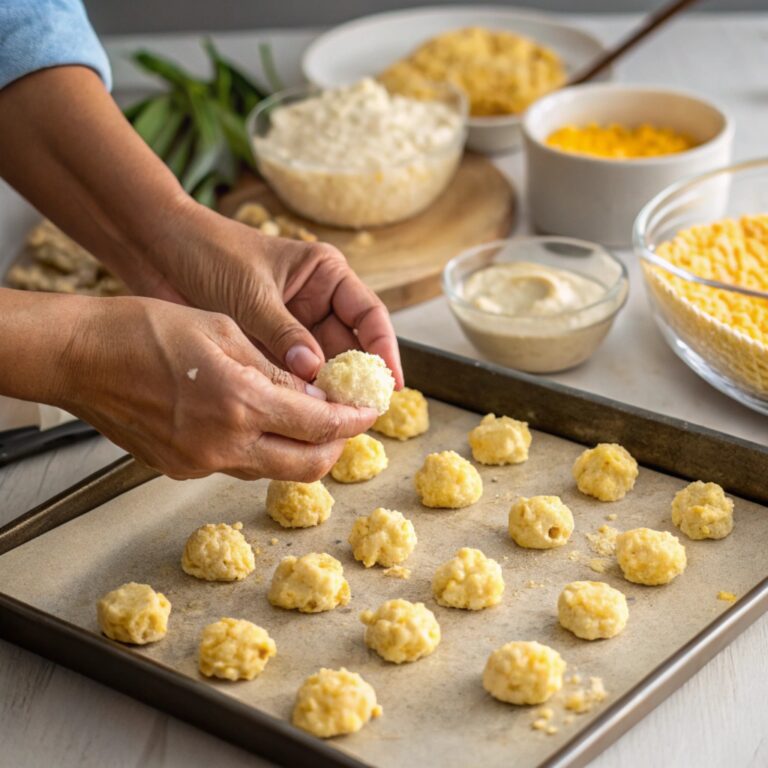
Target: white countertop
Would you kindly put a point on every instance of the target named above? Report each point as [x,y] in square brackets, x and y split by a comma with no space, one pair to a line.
[50,716]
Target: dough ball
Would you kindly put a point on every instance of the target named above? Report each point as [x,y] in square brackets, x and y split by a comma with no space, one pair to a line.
[235,649]
[523,673]
[470,580]
[408,415]
[357,378]
[333,702]
[384,537]
[401,631]
[540,522]
[607,472]
[218,553]
[592,609]
[703,511]
[650,557]
[134,613]
[298,505]
[363,458]
[500,440]
[310,584]
[449,481]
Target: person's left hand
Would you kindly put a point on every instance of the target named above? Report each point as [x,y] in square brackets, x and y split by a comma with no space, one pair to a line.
[299,301]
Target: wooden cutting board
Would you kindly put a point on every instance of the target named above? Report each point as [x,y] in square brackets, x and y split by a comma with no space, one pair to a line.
[403,262]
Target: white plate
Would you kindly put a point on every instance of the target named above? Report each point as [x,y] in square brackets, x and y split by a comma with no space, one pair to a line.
[368,45]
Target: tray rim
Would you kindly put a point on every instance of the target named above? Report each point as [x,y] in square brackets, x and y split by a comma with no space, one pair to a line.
[194,701]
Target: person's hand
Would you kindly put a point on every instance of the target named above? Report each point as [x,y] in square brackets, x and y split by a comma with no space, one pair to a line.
[188,394]
[299,301]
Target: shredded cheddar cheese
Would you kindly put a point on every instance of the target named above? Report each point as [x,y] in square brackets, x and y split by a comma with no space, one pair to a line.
[619,142]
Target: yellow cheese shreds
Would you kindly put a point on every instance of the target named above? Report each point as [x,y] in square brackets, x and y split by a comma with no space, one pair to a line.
[728,597]
[619,142]
[500,72]
[732,251]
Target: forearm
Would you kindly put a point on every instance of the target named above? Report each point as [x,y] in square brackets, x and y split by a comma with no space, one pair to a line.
[68,149]
[36,332]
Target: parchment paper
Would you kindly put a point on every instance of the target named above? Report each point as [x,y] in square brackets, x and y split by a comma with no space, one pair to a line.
[435,710]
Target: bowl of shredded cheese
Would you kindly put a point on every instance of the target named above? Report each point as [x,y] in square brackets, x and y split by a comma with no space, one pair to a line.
[704,249]
[357,155]
[595,154]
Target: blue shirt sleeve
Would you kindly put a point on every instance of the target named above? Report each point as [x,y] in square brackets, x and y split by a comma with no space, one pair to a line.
[35,34]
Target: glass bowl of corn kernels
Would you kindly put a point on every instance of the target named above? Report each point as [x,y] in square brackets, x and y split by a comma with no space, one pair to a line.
[703,243]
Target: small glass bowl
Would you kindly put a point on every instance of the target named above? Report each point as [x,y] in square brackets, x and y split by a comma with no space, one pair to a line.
[353,197]
[727,358]
[539,343]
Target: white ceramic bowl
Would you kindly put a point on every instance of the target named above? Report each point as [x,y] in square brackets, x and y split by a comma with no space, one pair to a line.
[595,198]
[367,46]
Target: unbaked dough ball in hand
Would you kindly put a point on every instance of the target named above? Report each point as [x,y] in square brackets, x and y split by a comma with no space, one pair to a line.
[470,580]
[540,522]
[134,613]
[500,440]
[362,459]
[608,472]
[449,481]
[357,378]
[407,417]
[218,553]
[523,673]
[310,584]
[384,537]
[333,702]
[650,557]
[298,505]
[703,511]
[401,631]
[592,609]
[234,649]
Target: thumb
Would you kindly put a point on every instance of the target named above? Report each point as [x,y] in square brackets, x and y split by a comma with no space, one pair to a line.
[288,340]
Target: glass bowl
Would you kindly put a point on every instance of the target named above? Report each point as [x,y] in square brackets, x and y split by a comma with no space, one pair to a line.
[539,343]
[354,195]
[732,359]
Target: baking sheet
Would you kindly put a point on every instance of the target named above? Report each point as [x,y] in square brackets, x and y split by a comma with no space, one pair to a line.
[435,711]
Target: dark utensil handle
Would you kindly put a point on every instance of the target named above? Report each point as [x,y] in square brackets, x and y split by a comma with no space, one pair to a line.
[28,444]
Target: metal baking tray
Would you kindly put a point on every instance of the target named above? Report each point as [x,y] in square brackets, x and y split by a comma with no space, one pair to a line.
[668,449]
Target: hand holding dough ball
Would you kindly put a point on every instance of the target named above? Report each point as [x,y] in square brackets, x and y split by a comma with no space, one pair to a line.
[703,511]
[298,505]
[407,417]
[235,649]
[134,613]
[540,522]
[384,537]
[607,472]
[470,580]
[362,459]
[218,553]
[523,673]
[310,584]
[333,702]
[357,378]
[446,480]
[500,440]
[592,609]
[401,631]
[650,557]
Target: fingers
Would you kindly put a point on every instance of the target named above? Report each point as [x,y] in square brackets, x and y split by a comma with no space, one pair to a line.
[292,414]
[358,307]
[334,336]
[281,458]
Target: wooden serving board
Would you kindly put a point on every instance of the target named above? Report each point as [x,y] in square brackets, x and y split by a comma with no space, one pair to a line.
[403,262]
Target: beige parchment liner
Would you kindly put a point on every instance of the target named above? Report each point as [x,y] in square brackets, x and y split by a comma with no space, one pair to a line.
[435,710]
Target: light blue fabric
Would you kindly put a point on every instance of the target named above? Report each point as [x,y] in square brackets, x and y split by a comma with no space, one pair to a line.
[35,34]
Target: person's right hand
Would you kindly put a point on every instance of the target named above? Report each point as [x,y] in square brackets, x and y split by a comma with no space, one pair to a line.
[188,394]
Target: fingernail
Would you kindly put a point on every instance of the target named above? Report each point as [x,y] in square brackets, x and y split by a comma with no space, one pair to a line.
[302,361]
[314,391]
[369,413]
